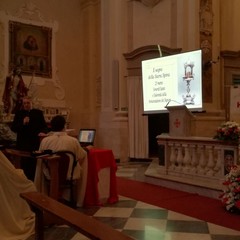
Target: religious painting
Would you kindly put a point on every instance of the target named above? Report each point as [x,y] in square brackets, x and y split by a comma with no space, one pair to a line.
[30,49]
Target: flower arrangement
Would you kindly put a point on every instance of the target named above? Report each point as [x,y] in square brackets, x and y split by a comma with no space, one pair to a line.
[231,193]
[229,131]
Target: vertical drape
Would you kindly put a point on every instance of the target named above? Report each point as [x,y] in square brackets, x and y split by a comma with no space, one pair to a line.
[138,124]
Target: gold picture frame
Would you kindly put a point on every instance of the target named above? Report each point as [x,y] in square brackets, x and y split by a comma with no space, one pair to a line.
[30,49]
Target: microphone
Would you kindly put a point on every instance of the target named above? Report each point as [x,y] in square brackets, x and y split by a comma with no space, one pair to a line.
[177,102]
[171,100]
[26,118]
[168,103]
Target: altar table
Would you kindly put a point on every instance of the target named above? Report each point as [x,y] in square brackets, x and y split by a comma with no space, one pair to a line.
[99,159]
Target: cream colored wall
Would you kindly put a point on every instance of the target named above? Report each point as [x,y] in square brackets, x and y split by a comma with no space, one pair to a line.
[170,23]
[151,25]
[230,18]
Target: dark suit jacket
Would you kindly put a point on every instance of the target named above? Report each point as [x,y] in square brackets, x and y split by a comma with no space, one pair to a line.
[27,135]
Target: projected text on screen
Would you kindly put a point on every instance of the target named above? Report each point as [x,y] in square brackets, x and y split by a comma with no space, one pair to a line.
[174,80]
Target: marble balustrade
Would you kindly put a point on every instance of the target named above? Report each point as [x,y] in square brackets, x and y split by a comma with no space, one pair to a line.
[199,161]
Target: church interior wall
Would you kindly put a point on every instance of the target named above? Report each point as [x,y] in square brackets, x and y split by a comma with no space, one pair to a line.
[229,24]
[151,25]
[88,44]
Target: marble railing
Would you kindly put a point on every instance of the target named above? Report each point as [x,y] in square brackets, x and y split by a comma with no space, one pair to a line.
[197,161]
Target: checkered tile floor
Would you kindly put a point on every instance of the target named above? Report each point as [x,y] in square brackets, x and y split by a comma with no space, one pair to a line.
[146,222]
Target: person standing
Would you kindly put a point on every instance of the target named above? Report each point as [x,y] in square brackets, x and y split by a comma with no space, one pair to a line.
[29,124]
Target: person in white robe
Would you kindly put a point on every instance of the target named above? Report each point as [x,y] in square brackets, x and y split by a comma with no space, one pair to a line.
[59,140]
[17,221]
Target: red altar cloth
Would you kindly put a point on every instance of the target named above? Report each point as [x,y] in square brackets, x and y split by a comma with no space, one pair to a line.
[97,160]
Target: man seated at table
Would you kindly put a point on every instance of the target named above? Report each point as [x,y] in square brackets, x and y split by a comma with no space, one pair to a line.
[59,140]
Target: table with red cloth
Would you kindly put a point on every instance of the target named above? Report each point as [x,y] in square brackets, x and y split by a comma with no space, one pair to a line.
[99,159]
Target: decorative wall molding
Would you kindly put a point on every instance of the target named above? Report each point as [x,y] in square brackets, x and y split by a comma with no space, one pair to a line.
[206,31]
[206,17]
[149,3]
[135,57]
[59,91]
[2,50]
[86,3]
[29,13]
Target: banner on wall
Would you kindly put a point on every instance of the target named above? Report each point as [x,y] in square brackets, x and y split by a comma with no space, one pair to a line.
[235,104]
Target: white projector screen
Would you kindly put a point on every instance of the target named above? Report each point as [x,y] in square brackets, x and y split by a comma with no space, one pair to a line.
[172,81]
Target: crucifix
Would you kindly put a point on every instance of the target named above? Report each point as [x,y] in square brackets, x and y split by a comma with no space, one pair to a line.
[177,123]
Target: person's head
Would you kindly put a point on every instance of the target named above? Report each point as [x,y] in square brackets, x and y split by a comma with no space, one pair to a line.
[32,42]
[27,103]
[58,123]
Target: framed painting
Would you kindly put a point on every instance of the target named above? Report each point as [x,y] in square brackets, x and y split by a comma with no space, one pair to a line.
[30,49]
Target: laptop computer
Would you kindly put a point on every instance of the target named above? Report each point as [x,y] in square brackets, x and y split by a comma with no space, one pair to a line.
[86,137]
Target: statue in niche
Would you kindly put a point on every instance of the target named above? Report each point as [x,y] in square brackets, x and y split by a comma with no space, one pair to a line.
[14,91]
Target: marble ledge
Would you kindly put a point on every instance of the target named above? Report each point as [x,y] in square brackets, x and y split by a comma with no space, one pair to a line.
[155,174]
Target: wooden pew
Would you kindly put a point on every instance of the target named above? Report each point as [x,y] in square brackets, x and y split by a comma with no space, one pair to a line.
[15,155]
[53,163]
[86,225]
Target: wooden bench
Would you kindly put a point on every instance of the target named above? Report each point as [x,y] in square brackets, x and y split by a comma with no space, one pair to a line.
[53,161]
[15,155]
[82,223]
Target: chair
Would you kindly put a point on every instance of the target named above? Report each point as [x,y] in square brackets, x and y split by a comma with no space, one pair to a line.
[64,158]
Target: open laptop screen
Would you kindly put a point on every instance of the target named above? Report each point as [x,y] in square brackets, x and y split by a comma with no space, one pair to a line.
[86,136]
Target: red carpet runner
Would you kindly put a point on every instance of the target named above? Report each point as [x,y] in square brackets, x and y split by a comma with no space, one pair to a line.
[193,205]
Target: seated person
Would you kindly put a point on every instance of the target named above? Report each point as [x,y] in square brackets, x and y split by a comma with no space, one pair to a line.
[59,140]
[17,220]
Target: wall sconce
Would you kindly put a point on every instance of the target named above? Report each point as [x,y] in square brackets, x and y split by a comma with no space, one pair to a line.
[208,64]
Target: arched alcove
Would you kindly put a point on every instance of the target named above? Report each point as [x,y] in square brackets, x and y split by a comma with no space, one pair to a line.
[134,58]
[143,129]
